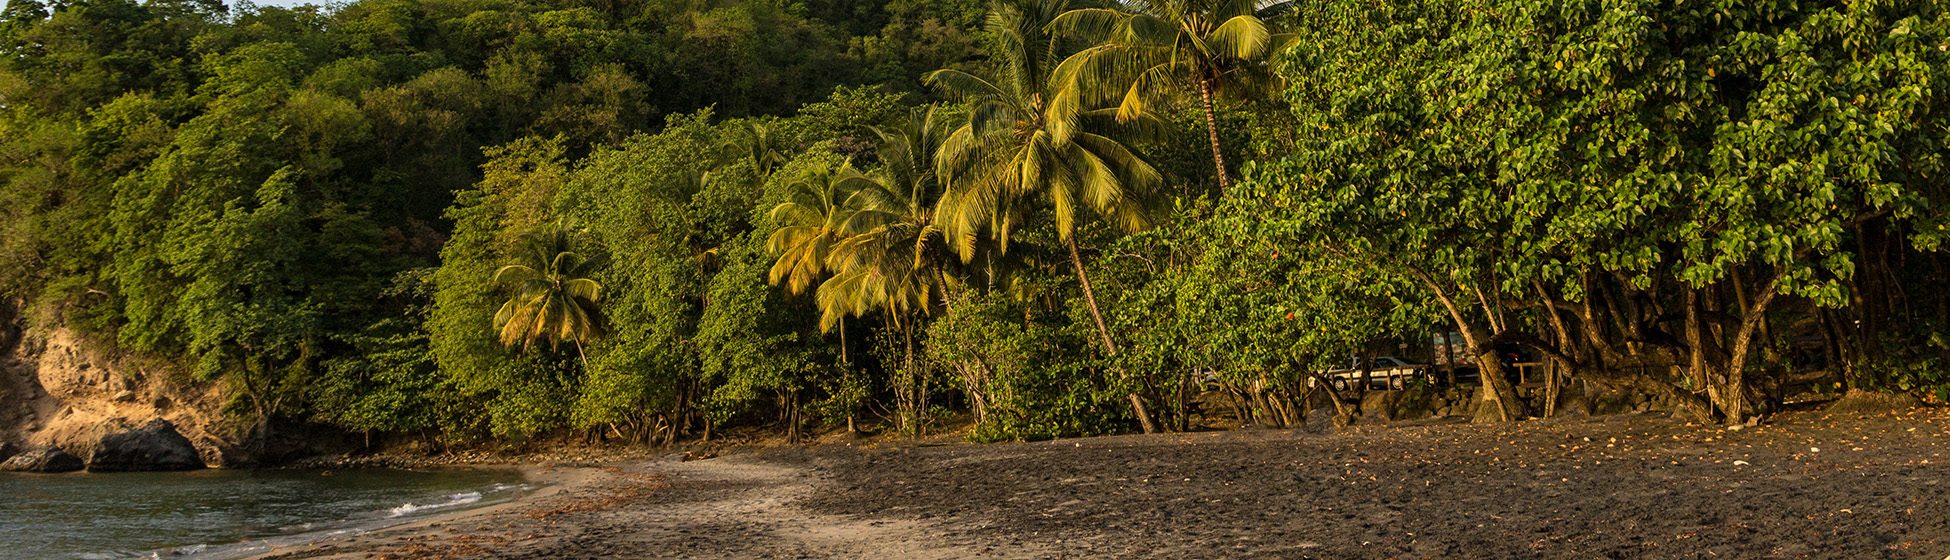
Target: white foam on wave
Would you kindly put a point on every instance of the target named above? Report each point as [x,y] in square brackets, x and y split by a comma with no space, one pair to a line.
[453,500]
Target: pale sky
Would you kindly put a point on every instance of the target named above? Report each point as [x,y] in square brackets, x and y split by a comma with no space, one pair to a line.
[286,3]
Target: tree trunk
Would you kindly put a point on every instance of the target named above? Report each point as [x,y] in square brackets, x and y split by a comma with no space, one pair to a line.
[1696,349]
[1212,131]
[1341,413]
[1738,405]
[909,410]
[582,356]
[1497,400]
[1559,367]
[1367,370]
[1090,299]
[1186,387]
[1448,358]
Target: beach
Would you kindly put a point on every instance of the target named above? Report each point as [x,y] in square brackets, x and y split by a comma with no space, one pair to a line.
[1806,485]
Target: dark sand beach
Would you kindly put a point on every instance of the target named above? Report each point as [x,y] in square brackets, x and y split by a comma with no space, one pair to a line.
[1806,485]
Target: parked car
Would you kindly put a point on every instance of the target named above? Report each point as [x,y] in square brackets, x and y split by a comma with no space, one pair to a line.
[1389,372]
[1507,354]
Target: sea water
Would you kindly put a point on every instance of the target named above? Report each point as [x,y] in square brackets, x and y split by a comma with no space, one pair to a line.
[218,514]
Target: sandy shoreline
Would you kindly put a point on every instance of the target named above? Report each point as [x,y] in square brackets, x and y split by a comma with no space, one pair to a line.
[1635,486]
[552,480]
[733,507]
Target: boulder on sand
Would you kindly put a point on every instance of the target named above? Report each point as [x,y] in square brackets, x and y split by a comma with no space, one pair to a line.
[154,446]
[1868,403]
[1326,421]
[43,460]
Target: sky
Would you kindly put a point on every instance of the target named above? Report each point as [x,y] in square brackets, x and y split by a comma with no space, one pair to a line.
[285,3]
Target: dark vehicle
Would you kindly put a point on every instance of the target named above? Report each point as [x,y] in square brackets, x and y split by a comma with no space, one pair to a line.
[1508,355]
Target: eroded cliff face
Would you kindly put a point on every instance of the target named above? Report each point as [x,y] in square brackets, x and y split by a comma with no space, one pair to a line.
[59,389]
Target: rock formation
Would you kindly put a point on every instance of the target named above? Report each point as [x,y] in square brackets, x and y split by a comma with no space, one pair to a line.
[155,446]
[43,460]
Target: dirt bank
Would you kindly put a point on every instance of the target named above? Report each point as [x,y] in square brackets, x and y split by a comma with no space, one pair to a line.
[1636,486]
[58,389]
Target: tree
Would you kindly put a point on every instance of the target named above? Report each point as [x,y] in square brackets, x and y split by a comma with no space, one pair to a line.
[1157,50]
[1647,185]
[811,223]
[549,296]
[1022,148]
[755,144]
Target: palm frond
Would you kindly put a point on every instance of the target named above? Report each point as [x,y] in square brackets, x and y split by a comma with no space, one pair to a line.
[962,85]
[1243,37]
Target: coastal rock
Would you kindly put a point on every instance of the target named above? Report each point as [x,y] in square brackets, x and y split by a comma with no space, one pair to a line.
[155,446]
[1574,407]
[43,460]
[1325,421]
[8,450]
[1867,403]
[1378,407]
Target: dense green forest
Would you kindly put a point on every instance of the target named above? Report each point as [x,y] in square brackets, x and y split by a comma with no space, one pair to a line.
[649,219]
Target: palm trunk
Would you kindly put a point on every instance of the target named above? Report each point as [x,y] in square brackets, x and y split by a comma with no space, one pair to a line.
[1090,299]
[1212,131]
[912,390]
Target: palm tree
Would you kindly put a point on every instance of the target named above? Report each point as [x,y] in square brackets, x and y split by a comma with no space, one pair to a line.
[871,234]
[755,144]
[1029,143]
[899,218]
[549,296]
[811,223]
[1162,49]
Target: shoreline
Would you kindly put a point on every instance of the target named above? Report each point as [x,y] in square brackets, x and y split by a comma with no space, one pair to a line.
[550,478]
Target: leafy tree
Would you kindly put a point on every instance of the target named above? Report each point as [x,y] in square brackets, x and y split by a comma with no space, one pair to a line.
[1654,198]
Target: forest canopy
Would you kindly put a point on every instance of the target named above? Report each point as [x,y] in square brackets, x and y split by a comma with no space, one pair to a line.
[496,219]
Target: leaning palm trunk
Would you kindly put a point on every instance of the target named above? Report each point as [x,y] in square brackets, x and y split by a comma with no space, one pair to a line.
[1090,299]
[1212,130]
[1151,52]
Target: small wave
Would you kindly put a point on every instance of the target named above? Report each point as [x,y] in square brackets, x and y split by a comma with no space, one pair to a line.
[460,499]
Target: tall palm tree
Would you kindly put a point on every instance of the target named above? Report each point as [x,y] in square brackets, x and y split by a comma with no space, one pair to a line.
[1029,143]
[550,297]
[1153,50]
[872,233]
[907,155]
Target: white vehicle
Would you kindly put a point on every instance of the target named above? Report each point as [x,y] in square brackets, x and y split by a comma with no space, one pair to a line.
[1389,372]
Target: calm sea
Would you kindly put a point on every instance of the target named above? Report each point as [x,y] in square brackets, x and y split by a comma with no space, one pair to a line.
[218,514]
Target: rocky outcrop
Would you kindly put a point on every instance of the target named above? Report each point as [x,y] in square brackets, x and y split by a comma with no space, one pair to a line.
[1868,403]
[61,389]
[8,450]
[43,460]
[155,446]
